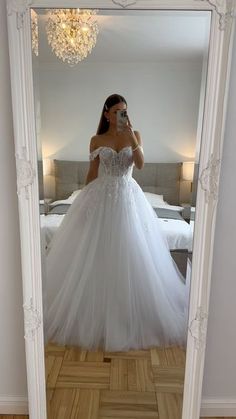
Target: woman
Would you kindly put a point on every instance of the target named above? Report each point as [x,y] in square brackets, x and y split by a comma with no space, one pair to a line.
[107,134]
[112,283]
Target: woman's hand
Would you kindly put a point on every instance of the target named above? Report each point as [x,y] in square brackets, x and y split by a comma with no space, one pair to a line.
[130,135]
[136,144]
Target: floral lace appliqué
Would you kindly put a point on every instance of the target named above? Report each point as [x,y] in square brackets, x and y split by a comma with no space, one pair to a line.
[116,168]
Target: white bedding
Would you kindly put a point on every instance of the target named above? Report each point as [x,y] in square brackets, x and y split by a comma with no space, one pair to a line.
[179,234]
[49,224]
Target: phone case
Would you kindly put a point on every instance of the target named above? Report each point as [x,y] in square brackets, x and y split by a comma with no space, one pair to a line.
[122,119]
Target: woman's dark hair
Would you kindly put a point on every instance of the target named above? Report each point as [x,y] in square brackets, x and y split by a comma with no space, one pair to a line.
[110,101]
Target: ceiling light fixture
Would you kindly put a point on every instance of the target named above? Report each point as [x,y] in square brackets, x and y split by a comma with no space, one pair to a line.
[35,32]
[71,33]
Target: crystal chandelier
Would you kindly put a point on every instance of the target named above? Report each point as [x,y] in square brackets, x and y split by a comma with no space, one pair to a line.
[71,33]
[35,32]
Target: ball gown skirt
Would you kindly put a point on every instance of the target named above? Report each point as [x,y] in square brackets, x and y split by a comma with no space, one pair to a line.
[111,282]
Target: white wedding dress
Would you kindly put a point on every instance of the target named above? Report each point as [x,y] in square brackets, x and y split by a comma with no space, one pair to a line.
[111,282]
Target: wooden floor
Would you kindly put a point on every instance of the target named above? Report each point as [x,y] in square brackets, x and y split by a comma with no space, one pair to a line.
[105,385]
[26,417]
[101,385]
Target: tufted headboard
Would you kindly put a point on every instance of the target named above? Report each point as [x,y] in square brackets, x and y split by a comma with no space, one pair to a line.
[160,178]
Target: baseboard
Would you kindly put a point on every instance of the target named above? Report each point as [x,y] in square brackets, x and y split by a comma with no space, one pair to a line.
[218,407]
[18,405]
[13,405]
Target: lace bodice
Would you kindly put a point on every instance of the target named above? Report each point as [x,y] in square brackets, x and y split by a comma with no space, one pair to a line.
[115,163]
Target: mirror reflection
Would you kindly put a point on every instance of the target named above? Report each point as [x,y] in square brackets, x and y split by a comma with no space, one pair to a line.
[119,99]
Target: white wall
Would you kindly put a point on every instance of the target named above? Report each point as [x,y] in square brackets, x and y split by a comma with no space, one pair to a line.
[220,366]
[13,389]
[163,103]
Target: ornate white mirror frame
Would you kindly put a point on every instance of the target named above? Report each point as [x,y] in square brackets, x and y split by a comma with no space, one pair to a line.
[222,24]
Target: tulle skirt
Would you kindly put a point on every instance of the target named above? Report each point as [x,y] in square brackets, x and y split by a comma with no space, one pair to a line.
[110,280]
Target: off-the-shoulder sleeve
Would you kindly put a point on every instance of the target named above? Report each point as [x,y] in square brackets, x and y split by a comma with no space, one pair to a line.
[94,154]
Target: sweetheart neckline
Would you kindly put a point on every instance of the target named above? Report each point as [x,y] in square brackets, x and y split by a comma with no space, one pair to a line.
[117,152]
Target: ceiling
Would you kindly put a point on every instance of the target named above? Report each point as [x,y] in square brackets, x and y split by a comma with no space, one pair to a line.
[142,36]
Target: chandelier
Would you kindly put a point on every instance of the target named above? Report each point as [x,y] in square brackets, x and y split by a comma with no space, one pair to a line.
[35,32]
[71,33]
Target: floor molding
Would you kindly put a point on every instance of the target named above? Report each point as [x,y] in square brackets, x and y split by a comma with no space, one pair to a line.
[13,405]
[218,407]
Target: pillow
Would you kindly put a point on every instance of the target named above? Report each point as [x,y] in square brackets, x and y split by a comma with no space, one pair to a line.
[60,202]
[165,205]
[59,209]
[154,199]
[157,201]
[68,201]
[74,195]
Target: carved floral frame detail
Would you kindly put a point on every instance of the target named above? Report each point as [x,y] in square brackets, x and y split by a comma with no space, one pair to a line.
[223,12]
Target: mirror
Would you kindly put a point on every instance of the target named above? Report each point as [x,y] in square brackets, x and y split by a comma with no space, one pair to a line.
[109,346]
[170,64]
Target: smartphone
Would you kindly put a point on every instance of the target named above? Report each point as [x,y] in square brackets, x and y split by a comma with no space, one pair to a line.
[122,119]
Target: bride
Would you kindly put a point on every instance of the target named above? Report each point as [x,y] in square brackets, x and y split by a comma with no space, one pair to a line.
[111,282]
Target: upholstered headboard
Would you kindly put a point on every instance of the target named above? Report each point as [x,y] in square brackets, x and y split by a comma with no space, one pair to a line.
[160,178]
[40,179]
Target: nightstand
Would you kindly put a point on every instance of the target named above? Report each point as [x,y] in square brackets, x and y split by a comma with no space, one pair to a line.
[186,211]
[47,202]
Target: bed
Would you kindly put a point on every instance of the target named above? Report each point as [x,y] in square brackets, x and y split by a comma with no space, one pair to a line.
[161,185]
[177,231]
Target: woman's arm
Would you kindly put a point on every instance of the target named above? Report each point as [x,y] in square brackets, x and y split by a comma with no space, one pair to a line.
[94,164]
[137,153]
[136,144]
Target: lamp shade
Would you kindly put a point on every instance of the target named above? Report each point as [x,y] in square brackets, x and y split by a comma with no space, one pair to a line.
[47,167]
[188,170]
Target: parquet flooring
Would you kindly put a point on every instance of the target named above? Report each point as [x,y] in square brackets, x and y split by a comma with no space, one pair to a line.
[114,385]
[144,384]
[27,417]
